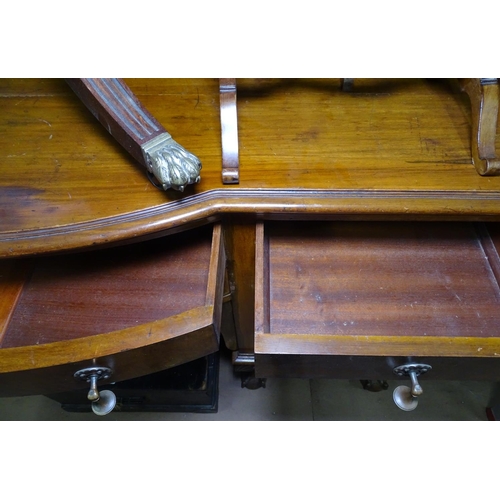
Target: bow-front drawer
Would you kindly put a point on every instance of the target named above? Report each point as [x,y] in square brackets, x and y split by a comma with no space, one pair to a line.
[128,311]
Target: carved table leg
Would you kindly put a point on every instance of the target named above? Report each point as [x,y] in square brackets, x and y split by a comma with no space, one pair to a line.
[229,130]
[112,102]
[484,97]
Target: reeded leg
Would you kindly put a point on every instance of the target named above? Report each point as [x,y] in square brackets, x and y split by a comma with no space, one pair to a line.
[112,102]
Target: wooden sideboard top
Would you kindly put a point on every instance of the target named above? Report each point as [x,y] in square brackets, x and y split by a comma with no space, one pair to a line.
[389,149]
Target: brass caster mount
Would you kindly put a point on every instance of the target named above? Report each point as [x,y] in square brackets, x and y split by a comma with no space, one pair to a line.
[102,402]
[406,398]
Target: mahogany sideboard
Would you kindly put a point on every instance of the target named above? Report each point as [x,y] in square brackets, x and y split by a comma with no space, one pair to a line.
[355,237]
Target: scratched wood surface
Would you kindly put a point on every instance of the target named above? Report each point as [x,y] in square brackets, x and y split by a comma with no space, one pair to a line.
[78,295]
[381,279]
[377,289]
[60,167]
[390,134]
[389,149]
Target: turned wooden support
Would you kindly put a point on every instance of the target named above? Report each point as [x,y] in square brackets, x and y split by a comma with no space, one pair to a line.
[112,102]
[484,98]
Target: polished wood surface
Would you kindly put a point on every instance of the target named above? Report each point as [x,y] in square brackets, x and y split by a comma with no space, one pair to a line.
[65,183]
[74,296]
[239,236]
[388,149]
[385,289]
[229,131]
[311,295]
[139,309]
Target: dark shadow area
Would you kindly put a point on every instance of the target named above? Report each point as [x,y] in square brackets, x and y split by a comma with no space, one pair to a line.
[265,87]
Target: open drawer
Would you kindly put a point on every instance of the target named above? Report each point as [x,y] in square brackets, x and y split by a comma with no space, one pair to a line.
[357,299]
[135,309]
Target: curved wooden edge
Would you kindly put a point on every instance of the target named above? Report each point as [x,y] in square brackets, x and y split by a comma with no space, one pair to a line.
[376,345]
[125,364]
[16,359]
[484,97]
[130,353]
[212,206]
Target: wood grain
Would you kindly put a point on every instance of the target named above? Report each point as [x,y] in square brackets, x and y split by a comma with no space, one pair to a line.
[229,131]
[13,277]
[49,368]
[216,277]
[387,289]
[45,355]
[391,148]
[61,171]
[239,238]
[138,309]
[120,112]
[307,344]
[82,295]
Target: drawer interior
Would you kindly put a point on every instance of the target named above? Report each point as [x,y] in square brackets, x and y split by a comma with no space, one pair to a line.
[382,279]
[377,288]
[67,297]
[137,309]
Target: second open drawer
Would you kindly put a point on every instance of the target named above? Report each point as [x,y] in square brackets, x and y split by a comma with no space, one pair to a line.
[356,299]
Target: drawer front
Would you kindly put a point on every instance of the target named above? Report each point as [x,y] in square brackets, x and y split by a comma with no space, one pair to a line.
[340,299]
[136,310]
